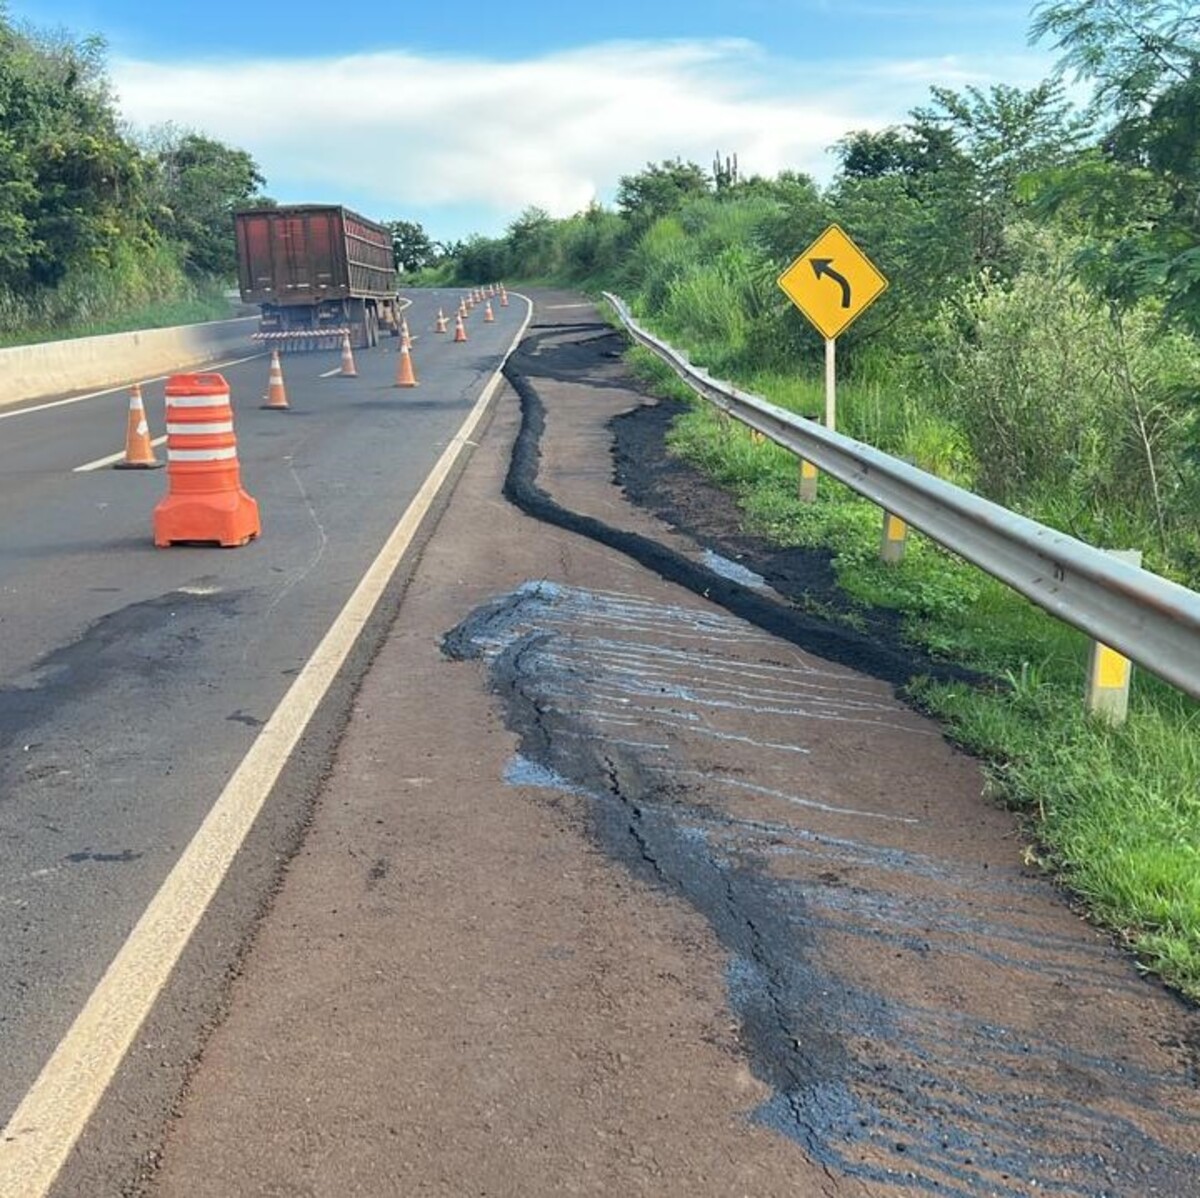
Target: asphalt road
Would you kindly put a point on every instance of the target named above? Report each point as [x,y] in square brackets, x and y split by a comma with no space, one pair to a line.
[134,679]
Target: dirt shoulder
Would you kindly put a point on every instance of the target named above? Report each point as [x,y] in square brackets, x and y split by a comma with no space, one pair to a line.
[615,889]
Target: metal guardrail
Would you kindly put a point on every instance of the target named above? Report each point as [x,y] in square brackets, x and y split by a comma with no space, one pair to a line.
[1149,619]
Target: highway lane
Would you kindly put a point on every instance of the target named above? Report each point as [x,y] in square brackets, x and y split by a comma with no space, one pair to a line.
[132,679]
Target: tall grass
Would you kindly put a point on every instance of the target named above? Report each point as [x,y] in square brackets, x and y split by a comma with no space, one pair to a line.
[143,288]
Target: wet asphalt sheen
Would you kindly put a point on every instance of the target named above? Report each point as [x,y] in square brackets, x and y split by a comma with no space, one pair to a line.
[134,679]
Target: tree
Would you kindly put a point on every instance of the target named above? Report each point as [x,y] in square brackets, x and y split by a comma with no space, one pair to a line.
[72,187]
[659,190]
[1135,51]
[1143,56]
[910,152]
[201,182]
[530,241]
[997,137]
[482,259]
[411,248]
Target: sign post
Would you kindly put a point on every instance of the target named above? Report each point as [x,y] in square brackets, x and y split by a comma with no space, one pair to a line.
[831,383]
[833,283]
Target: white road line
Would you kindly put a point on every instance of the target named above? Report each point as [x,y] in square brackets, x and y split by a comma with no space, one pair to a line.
[53,1114]
[331,373]
[108,461]
[62,403]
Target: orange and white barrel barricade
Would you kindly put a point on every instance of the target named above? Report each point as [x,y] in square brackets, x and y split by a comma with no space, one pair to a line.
[204,501]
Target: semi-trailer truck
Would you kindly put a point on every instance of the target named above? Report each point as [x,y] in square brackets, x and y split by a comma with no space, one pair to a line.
[314,270]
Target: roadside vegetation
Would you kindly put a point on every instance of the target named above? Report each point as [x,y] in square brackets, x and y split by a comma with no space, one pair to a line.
[1039,344]
[103,229]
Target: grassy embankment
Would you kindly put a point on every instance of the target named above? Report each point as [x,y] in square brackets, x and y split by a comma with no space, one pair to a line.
[1114,813]
[149,291]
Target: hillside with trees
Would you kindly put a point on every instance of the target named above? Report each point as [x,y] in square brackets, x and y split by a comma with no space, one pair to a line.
[101,227]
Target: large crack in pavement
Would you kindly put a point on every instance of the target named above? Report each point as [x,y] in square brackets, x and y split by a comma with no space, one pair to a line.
[828,640]
[925,1019]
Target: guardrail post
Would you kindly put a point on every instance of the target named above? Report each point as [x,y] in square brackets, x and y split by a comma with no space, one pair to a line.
[1109,672]
[808,482]
[894,540]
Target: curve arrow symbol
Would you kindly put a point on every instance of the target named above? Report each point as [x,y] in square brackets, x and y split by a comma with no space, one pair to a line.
[823,266]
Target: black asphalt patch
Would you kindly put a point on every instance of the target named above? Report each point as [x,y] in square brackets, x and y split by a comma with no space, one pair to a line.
[831,641]
[141,646]
[926,1096]
[598,687]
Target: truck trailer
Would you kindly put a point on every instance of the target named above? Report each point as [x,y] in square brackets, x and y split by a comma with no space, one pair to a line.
[316,271]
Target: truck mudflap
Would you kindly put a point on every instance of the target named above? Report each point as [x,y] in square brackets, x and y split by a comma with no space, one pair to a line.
[292,340]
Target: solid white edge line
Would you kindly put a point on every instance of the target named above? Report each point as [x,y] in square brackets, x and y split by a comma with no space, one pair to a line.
[158,378]
[53,1114]
[112,457]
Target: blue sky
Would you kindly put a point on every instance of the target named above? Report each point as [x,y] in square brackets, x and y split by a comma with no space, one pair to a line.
[459,115]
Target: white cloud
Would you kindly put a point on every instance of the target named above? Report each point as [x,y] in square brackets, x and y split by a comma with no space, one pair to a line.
[557,130]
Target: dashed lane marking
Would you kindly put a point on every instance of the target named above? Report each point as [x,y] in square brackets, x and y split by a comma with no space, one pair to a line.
[112,457]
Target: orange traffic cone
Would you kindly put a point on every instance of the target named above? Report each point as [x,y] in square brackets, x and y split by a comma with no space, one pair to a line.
[488,318]
[503,297]
[139,453]
[276,391]
[441,322]
[460,331]
[405,339]
[204,500]
[349,370]
[404,370]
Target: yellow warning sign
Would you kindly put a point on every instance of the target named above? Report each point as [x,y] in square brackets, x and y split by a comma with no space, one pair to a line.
[833,282]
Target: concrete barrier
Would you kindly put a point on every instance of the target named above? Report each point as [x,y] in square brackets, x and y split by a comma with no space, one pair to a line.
[58,367]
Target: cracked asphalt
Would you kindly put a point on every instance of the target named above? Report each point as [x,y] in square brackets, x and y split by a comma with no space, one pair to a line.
[629,878]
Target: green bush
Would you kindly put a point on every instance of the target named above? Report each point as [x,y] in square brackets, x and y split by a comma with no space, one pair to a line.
[1072,409]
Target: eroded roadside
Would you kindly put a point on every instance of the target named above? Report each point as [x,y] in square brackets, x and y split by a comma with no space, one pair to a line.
[683,905]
